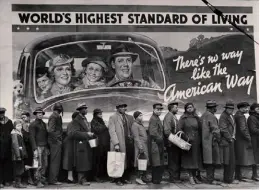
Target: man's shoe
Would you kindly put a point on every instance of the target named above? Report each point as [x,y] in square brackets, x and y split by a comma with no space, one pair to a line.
[145,179]
[40,185]
[214,182]
[127,182]
[85,183]
[175,181]
[197,181]
[255,178]
[140,181]
[2,186]
[235,182]
[56,183]
[156,182]
[191,180]
[7,184]
[19,186]
[119,183]
[98,180]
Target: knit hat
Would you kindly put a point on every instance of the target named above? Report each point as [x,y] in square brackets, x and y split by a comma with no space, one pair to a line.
[254,106]
[136,114]
[242,104]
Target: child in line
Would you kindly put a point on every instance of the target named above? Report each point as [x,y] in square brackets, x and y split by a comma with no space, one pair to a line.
[18,153]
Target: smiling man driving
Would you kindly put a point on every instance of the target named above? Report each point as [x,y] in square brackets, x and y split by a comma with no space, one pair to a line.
[122,61]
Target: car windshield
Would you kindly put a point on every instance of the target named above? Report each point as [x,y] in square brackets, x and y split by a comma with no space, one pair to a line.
[81,66]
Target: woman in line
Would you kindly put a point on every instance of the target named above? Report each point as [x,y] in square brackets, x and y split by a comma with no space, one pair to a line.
[141,145]
[99,128]
[18,153]
[190,124]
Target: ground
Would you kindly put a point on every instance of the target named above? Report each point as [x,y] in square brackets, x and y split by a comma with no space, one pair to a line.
[250,184]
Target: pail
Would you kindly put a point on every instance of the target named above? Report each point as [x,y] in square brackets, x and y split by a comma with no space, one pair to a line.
[93,143]
[142,164]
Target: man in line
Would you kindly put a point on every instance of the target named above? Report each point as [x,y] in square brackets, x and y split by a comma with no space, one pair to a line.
[243,145]
[121,139]
[156,143]
[227,127]
[170,123]
[55,143]
[210,141]
[6,126]
[39,141]
[122,61]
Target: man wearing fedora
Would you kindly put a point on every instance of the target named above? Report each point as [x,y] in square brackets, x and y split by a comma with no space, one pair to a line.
[6,126]
[227,127]
[170,123]
[81,134]
[39,142]
[243,145]
[119,126]
[210,141]
[122,61]
[55,142]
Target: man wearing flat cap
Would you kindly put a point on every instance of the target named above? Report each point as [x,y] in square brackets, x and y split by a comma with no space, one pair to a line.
[122,61]
[210,141]
[81,134]
[55,142]
[39,142]
[155,131]
[6,126]
[119,126]
[227,127]
[243,145]
[170,123]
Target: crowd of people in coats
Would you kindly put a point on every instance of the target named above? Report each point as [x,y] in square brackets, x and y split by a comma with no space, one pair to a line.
[231,141]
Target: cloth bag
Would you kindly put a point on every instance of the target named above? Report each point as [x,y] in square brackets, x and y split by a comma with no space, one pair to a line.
[115,164]
[178,141]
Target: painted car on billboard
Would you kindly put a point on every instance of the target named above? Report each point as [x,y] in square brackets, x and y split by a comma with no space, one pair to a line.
[151,73]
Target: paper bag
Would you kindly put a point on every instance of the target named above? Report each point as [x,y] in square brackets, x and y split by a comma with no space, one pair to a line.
[115,164]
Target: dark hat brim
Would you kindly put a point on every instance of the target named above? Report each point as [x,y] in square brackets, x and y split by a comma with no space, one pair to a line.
[133,55]
[82,107]
[35,112]
[121,106]
[231,107]
[211,105]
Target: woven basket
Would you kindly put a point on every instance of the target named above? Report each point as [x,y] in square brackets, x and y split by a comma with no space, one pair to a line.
[178,141]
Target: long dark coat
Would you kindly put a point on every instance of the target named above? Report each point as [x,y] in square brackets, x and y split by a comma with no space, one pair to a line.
[210,139]
[6,126]
[156,143]
[253,125]
[227,127]
[77,151]
[99,128]
[140,140]
[243,147]
[26,138]
[191,126]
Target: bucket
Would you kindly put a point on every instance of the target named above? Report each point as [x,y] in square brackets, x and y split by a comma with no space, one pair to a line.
[93,143]
[142,163]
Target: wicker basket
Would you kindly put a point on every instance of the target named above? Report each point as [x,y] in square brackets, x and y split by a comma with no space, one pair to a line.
[178,141]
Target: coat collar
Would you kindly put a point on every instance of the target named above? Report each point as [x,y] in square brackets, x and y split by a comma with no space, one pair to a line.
[232,122]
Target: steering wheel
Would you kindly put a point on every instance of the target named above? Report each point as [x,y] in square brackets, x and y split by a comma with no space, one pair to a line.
[127,80]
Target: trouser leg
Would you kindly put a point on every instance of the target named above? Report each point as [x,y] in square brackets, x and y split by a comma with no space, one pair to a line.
[43,164]
[238,174]
[210,170]
[157,172]
[254,170]
[81,177]
[174,162]
[6,171]
[55,159]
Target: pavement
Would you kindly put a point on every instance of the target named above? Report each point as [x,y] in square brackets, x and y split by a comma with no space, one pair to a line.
[250,184]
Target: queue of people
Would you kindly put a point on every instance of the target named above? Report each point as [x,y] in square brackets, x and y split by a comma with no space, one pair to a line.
[231,141]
